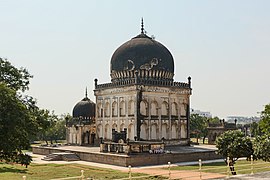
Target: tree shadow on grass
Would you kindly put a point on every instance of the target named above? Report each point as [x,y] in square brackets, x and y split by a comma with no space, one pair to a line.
[12,170]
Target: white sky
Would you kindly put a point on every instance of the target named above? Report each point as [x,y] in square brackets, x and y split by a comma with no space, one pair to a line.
[223,45]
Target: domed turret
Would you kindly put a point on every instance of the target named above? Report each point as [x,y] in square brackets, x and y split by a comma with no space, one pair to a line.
[144,55]
[84,108]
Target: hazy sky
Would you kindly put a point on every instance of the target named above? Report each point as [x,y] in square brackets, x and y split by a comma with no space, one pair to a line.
[223,45]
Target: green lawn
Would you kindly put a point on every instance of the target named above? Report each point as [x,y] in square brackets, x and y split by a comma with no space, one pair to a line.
[50,171]
[241,167]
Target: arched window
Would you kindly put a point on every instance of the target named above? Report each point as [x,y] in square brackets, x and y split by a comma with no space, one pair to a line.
[183,131]
[154,108]
[114,109]
[143,108]
[99,131]
[164,131]
[114,126]
[154,131]
[122,126]
[107,110]
[122,108]
[164,109]
[183,110]
[99,110]
[143,132]
[131,108]
[107,131]
[174,109]
[174,131]
[131,132]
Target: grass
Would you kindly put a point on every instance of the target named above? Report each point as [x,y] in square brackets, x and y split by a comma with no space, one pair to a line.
[241,167]
[51,171]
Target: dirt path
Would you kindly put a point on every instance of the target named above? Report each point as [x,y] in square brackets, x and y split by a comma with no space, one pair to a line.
[176,174]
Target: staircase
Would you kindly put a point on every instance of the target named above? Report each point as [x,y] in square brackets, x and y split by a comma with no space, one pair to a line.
[70,157]
[61,157]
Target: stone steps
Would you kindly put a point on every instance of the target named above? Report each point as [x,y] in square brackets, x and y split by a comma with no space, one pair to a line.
[61,157]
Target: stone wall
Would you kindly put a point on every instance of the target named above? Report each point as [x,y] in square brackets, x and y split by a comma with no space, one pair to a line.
[134,159]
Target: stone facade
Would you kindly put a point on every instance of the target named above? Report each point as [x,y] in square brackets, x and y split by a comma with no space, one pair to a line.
[81,128]
[142,98]
[149,112]
[81,134]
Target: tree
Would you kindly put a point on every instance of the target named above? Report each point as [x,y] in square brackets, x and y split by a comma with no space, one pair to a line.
[255,129]
[14,78]
[17,118]
[198,126]
[261,147]
[233,144]
[17,125]
[51,128]
[264,123]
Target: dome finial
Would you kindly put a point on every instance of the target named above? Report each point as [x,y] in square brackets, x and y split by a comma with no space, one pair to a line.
[142,28]
[86,92]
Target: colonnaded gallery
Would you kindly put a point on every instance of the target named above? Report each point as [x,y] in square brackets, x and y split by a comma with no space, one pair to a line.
[142,99]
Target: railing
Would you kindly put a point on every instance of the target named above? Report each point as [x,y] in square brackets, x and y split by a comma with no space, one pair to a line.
[82,177]
[139,81]
[198,173]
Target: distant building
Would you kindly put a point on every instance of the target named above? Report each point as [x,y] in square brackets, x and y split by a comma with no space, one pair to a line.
[81,129]
[243,119]
[201,113]
[216,129]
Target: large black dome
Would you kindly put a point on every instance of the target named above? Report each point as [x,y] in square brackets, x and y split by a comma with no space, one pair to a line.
[85,109]
[145,55]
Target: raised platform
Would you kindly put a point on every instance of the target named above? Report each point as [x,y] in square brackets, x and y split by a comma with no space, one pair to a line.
[92,154]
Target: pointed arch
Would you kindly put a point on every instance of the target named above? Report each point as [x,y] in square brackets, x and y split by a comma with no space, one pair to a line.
[174,133]
[164,131]
[107,110]
[99,110]
[122,109]
[131,108]
[154,108]
[183,131]
[182,110]
[99,131]
[143,108]
[114,126]
[107,131]
[164,108]
[174,109]
[143,134]
[114,109]
[131,132]
[154,131]
[122,126]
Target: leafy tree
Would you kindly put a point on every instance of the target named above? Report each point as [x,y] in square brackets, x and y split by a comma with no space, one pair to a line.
[14,78]
[18,122]
[264,123]
[214,120]
[261,146]
[255,129]
[198,126]
[52,128]
[233,144]
[17,125]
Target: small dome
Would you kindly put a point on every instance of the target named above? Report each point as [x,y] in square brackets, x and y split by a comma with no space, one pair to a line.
[85,108]
[144,55]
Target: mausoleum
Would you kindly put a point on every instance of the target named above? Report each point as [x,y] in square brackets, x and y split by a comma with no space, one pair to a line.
[143,96]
